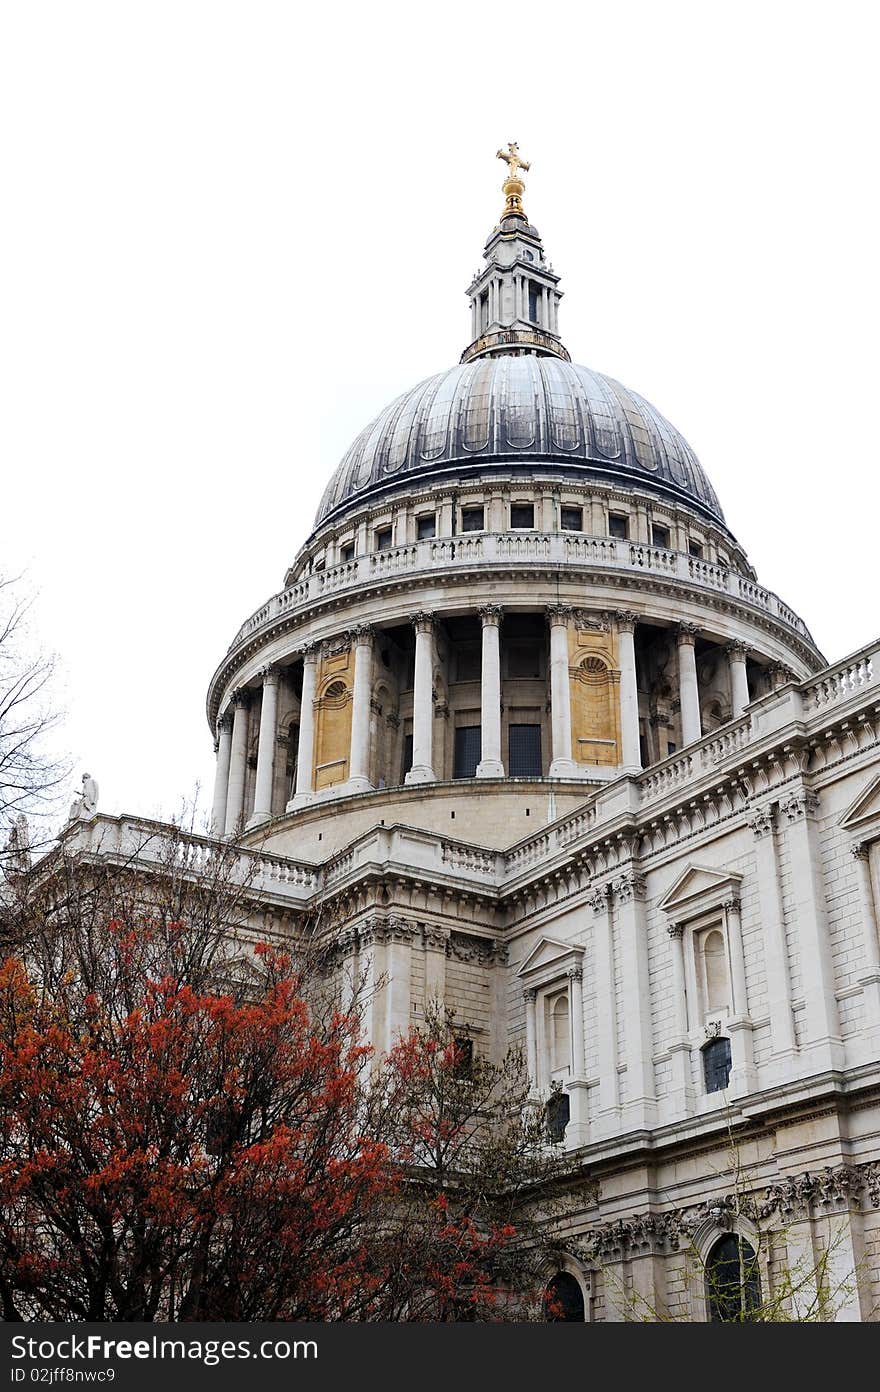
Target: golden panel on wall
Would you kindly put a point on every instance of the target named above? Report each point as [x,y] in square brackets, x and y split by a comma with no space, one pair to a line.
[595,696]
[333,719]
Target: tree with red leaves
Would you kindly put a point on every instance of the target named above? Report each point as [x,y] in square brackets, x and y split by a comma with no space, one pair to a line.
[184,1140]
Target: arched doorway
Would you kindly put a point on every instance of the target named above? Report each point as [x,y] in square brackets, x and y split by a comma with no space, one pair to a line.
[564,1299]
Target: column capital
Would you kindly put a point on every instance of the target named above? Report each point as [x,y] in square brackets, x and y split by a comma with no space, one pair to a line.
[598,899]
[626,620]
[629,888]
[530,994]
[423,621]
[559,614]
[224,722]
[490,614]
[860,850]
[675,930]
[362,635]
[761,820]
[309,652]
[737,650]
[575,973]
[686,634]
[240,698]
[732,904]
[804,803]
[270,675]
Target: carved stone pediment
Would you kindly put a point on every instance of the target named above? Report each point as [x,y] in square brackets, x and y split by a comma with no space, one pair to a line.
[549,961]
[699,889]
[862,818]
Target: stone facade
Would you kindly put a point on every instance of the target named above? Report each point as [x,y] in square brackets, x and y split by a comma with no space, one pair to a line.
[543,749]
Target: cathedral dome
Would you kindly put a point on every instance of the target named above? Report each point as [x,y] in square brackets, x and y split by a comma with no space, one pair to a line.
[520,413]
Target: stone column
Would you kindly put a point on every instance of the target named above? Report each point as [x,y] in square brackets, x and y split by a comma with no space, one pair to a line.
[221,778]
[606,1011]
[530,996]
[422,770]
[739,685]
[435,943]
[629,907]
[359,761]
[682,1091]
[577,1131]
[688,690]
[237,762]
[563,765]
[305,785]
[821,1025]
[491,764]
[398,966]
[739,1026]
[631,757]
[870,979]
[775,946]
[266,751]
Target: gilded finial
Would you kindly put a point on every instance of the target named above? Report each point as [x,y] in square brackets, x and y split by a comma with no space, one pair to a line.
[513,186]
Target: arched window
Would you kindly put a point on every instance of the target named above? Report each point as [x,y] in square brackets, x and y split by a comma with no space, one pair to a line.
[564,1300]
[715,970]
[560,1034]
[733,1281]
[716,1064]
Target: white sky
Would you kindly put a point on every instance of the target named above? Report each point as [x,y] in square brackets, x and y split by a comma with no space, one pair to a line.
[233,232]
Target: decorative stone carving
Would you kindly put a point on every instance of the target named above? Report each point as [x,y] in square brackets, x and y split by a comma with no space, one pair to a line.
[761,821]
[598,899]
[626,620]
[241,698]
[687,634]
[629,888]
[465,948]
[19,846]
[86,805]
[559,614]
[675,930]
[801,804]
[736,648]
[490,614]
[423,621]
[435,939]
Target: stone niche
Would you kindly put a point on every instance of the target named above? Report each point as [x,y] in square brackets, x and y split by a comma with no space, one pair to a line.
[595,697]
[333,703]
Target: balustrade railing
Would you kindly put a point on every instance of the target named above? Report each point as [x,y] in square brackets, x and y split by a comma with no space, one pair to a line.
[503,548]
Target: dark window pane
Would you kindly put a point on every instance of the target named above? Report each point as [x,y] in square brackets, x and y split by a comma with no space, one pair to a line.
[617,526]
[426,527]
[557,1113]
[467,662]
[565,1300]
[347,553]
[472,519]
[524,751]
[467,751]
[660,536]
[733,1280]
[695,549]
[716,1064]
[522,515]
[407,755]
[463,1068]
[534,299]
[383,539]
[572,519]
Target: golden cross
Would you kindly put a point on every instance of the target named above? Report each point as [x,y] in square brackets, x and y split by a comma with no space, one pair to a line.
[512,160]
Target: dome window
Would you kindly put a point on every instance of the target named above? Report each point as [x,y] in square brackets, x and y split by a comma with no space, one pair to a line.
[346,552]
[660,536]
[426,526]
[472,519]
[522,516]
[572,519]
[695,549]
[618,525]
[716,1064]
[384,539]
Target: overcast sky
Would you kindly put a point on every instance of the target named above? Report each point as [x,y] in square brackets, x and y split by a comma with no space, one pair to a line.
[233,232]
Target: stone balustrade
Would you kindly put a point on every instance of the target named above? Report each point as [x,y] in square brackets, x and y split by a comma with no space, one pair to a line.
[570,549]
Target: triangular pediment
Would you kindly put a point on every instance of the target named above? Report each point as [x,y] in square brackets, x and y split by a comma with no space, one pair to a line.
[864,813]
[550,952]
[697,887]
